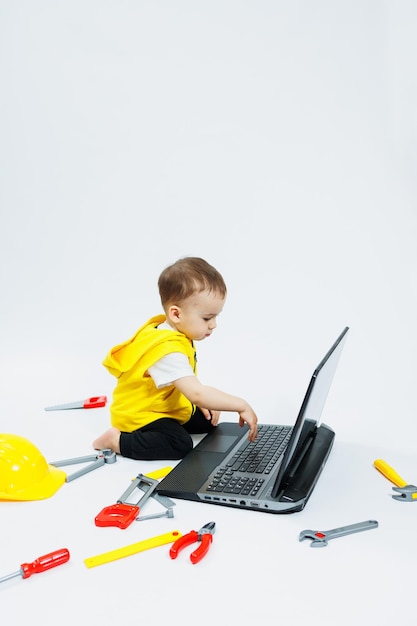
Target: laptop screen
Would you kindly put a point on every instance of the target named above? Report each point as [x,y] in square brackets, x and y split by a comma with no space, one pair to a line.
[311,410]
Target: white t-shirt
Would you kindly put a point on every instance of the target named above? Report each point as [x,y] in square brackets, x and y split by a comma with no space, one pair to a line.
[171,367]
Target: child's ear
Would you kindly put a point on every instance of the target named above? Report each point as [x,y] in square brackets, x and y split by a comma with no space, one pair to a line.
[174,313]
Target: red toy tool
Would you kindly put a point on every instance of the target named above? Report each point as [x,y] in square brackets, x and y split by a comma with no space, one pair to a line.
[41,564]
[204,535]
[123,513]
[90,403]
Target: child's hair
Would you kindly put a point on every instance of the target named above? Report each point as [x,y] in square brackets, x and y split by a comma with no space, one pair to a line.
[187,276]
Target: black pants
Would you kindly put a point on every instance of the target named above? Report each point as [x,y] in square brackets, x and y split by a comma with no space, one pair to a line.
[163,439]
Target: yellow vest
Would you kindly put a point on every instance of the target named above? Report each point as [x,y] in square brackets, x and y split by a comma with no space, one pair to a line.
[136,400]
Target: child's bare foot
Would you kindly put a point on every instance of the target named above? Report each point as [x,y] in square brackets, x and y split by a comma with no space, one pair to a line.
[108,440]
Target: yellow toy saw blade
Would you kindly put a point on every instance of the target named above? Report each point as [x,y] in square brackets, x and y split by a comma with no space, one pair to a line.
[159,473]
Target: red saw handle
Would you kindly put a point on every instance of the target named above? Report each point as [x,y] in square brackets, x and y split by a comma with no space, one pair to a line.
[95,402]
[43,563]
[119,514]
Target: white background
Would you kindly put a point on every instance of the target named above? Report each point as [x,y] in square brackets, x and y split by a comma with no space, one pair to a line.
[277,140]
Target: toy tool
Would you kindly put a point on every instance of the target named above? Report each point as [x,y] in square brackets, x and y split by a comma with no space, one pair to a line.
[133,548]
[90,403]
[94,460]
[159,473]
[41,564]
[405,491]
[204,536]
[320,538]
[123,512]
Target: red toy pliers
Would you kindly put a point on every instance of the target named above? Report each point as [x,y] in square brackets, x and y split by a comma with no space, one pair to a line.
[204,535]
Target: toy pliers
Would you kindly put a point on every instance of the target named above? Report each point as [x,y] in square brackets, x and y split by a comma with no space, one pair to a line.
[405,491]
[204,535]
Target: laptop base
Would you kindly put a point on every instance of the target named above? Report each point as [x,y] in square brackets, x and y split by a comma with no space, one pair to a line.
[297,485]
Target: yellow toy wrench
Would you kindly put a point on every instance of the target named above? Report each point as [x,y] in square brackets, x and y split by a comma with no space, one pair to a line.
[405,491]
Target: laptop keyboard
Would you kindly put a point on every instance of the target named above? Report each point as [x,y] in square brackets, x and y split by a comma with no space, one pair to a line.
[258,457]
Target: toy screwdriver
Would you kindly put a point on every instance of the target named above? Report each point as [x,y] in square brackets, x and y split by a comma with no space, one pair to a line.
[41,564]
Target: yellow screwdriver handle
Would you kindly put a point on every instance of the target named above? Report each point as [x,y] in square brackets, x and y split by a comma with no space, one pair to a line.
[133,548]
[390,473]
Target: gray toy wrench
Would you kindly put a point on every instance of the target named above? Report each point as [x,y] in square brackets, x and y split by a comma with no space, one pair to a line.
[321,537]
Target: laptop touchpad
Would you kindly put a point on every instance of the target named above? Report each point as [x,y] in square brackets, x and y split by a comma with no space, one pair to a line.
[222,443]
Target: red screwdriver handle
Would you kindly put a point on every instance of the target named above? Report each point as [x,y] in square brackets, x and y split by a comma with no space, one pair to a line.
[43,563]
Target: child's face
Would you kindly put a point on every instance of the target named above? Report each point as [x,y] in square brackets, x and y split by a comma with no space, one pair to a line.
[197,316]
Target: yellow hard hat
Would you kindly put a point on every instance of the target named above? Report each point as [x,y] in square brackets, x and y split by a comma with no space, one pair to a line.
[24,472]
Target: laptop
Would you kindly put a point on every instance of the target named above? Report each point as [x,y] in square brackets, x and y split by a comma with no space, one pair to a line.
[275,474]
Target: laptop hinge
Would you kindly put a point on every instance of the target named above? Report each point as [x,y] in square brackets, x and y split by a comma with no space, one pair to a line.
[306,468]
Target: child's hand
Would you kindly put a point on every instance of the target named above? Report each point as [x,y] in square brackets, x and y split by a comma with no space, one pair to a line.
[212,416]
[248,416]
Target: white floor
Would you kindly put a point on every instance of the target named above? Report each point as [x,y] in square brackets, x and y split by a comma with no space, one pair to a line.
[276,140]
